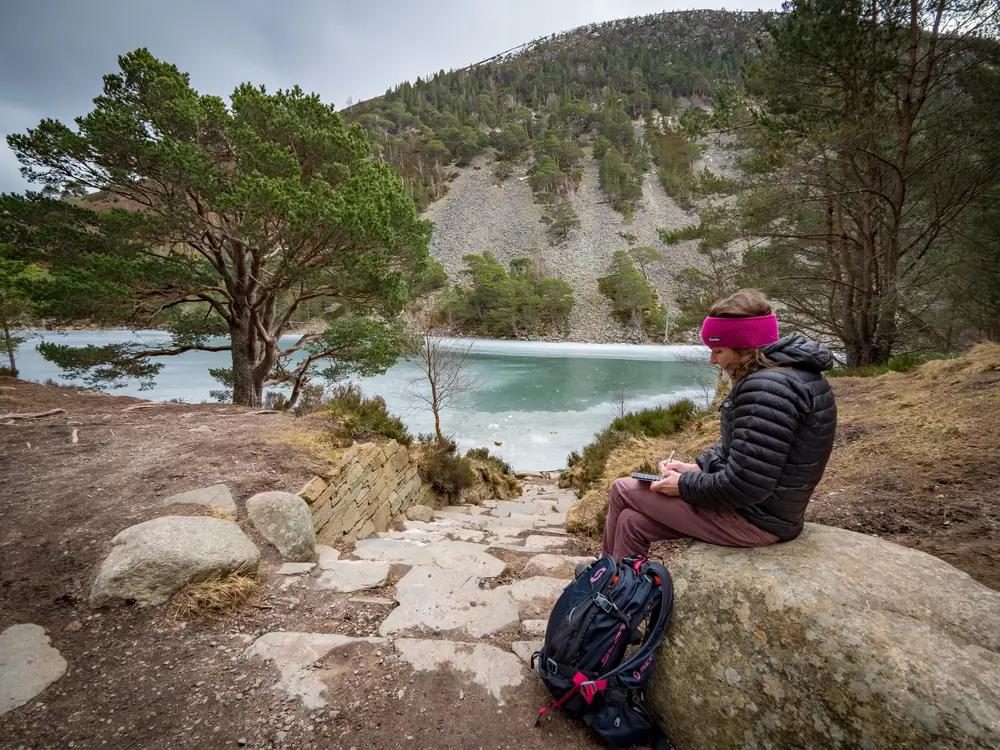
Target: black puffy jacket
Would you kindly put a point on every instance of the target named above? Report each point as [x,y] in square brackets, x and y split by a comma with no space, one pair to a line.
[778,428]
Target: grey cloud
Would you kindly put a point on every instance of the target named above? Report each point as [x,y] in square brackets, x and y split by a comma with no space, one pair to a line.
[53,53]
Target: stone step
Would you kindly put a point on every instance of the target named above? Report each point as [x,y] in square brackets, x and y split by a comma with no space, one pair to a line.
[446,555]
[439,601]
[472,522]
[348,576]
[523,507]
[555,566]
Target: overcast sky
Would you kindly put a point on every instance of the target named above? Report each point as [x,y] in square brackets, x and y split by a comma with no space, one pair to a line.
[53,53]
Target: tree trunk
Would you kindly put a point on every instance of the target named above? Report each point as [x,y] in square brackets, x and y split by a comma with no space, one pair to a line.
[246,390]
[8,341]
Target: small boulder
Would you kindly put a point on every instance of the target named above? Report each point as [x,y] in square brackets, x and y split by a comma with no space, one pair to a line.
[150,561]
[284,520]
[834,640]
[420,513]
[217,497]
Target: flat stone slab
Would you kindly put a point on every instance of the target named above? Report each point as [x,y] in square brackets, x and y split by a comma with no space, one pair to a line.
[440,601]
[380,600]
[536,596]
[540,542]
[524,650]
[447,555]
[294,654]
[467,509]
[417,535]
[396,551]
[484,665]
[534,627]
[507,542]
[531,507]
[465,535]
[28,665]
[549,520]
[469,521]
[554,566]
[294,569]
[346,576]
[510,525]
[216,496]
[326,555]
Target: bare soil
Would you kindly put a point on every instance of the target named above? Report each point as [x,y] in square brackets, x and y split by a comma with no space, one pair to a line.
[144,679]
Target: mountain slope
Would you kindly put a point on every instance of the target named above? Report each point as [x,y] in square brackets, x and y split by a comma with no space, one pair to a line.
[487,150]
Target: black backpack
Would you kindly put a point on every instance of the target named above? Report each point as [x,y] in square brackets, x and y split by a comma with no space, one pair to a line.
[596,618]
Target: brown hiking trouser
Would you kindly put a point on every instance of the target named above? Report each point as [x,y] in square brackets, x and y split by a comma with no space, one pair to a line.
[637,516]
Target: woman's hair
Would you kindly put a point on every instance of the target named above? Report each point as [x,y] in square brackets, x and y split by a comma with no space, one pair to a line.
[746,303]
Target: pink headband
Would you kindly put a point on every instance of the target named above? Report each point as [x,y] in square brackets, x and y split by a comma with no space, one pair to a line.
[740,333]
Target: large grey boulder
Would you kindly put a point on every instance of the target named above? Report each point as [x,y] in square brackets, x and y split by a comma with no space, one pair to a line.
[150,561]
[285,521]
[834,640]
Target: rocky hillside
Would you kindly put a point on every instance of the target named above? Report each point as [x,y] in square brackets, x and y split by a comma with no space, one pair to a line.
[478,214]
[591,118]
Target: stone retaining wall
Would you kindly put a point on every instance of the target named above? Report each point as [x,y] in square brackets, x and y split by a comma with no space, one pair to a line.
[370,485]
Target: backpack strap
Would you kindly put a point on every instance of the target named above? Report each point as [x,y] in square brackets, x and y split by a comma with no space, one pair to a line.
[658,626]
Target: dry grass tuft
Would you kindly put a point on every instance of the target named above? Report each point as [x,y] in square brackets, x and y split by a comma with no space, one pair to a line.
[214,597]
[322,444]
[587,516]
[223,514]
[982,358]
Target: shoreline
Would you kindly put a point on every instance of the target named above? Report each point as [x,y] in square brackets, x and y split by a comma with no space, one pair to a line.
[440,333]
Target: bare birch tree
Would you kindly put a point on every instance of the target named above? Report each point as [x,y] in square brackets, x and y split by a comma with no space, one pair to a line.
[442,375]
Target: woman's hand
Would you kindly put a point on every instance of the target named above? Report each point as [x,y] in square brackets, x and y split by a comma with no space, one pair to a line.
[669,485]
[678,466]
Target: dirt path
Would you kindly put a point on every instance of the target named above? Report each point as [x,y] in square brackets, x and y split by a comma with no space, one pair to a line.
[143,679]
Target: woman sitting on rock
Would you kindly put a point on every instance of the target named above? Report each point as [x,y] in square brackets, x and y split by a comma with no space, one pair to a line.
[778,422]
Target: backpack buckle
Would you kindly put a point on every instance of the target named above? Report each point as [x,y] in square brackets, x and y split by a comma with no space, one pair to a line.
[551,666]
[604,603]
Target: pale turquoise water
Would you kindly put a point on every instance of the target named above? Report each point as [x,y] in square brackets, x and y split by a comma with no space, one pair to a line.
[541,400]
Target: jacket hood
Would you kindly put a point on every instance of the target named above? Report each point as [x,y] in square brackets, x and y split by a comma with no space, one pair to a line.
[795,350]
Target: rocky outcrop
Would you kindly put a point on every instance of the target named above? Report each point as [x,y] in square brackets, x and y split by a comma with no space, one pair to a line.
[477,215]
[370,485]
[285,521]
[150,561]
[834,640]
